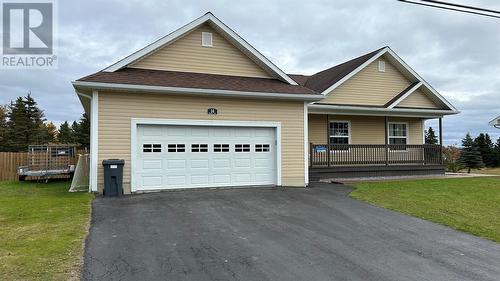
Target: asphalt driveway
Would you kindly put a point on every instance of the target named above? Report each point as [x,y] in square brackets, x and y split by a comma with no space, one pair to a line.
[275,234]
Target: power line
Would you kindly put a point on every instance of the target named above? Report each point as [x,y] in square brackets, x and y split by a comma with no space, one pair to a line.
[455,7]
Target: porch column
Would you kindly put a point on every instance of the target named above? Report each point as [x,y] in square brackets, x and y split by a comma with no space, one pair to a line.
[441,140]
[386,141]
[328,138]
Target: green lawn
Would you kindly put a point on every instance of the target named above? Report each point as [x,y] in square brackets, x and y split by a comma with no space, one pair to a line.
[42,227]
[467,204]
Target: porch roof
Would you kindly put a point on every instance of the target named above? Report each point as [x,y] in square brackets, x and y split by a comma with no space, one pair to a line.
[351,109]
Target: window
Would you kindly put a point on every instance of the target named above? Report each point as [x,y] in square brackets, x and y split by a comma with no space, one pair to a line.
[339,132]
[150,147]
[398,134]
[262,147]
[199,147]
[242,148]
[381,66]
[218,147]
[206,39]
[179,147]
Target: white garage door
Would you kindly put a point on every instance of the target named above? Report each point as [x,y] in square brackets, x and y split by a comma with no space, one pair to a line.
[201,156]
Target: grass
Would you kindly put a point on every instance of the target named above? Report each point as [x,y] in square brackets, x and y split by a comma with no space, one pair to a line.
[488,171]
[467,204]
[42,230]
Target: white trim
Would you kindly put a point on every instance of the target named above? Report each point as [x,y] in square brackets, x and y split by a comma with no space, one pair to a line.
[196,91]
[410,71]
[495,122]
[423,131]
[378,111]
[381,66]
[306,145]
[190,122]
[407,94]
[355,71]
[94,144]
[208,17]
[84,95]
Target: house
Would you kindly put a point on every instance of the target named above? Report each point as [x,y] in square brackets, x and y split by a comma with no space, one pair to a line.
[201,107]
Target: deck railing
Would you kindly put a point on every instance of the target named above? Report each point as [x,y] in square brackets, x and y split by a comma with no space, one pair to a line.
[323,155]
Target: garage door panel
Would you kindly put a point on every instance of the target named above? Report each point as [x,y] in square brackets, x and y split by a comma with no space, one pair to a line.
[200,164]
[176,164]
[196,156]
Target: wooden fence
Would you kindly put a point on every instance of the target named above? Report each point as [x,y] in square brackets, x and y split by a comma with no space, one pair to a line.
[9,161]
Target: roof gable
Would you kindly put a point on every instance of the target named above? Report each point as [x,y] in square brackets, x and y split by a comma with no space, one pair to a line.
[398,63]
[187,54]
[223,30]
[418,99]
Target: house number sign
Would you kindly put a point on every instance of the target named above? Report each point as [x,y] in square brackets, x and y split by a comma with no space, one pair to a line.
[212,111]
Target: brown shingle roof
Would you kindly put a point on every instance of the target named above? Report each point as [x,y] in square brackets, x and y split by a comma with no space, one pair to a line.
[326,78]
[162,78]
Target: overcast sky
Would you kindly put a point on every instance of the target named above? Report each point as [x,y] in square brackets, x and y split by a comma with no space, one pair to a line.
[459,54]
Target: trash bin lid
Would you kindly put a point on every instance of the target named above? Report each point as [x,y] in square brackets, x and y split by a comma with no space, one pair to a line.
[113,162]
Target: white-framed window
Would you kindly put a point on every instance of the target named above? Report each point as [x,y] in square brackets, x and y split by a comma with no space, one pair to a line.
[206,39]
[176,147]
[398,133]
[262,147]
[340,132]
[151,147]
[381,66]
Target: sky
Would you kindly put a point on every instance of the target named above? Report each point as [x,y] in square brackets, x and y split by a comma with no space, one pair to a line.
[458,54]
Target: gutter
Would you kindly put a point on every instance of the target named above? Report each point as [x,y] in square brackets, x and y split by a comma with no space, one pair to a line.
[195,91]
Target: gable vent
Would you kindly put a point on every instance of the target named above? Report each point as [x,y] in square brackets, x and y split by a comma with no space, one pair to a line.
[206,39]
[381,66]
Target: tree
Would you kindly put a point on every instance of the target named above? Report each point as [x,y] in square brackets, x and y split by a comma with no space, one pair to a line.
[3,128]
[66,134]
[451,159]
[18,126]
[485,147]
[49,132]
[430,136]
[497,153]
[82,131]
[470,157]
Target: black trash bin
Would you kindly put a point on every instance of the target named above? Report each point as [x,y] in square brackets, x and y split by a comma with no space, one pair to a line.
[113,177]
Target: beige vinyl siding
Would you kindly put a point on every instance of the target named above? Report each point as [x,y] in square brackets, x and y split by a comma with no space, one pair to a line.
[187,55]
[364,129]
[369,86]
[117,109]
[418,100]
[317,128]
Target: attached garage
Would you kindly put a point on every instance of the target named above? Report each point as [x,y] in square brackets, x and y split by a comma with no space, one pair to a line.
[175,155]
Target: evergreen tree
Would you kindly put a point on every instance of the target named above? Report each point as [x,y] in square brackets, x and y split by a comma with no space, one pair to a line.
[470,157]
[497,153]
[3,128]
[430,136]
[66,134]
[486,148]
[39,134]
[18,126]
[82,131]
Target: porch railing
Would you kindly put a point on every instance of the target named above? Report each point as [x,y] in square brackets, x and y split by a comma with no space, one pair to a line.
[323,155]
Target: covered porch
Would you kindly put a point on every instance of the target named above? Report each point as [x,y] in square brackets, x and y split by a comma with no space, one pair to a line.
[349,143]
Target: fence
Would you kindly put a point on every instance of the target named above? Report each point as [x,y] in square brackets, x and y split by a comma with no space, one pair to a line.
[9,161]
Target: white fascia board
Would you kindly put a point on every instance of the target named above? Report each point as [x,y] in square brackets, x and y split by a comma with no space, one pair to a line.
[208,17]
[194,91]
[495,122]
[417,77]
[371,111]
[355,71]
[407,94]
[94,146]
